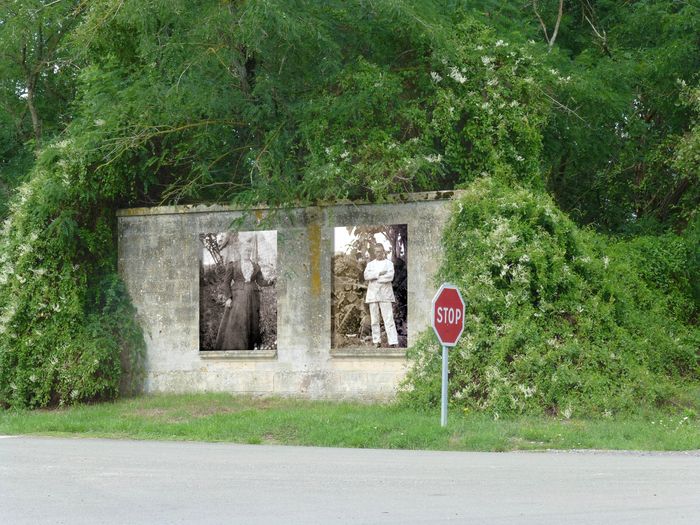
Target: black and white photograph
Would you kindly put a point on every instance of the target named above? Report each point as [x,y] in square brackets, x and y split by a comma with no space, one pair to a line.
[237,299]
[370,286]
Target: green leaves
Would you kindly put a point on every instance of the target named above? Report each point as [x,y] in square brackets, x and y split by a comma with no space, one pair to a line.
[559,320]
[296,102]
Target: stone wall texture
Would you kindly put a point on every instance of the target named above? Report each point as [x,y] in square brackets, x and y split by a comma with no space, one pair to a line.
[159,251]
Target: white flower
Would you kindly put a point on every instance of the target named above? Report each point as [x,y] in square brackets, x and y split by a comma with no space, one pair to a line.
[457,76]
[501,43]
[527,391]
[345,154]
[486,60]
[492,82]
[567,412]
[504,269]
[509,299]
[99,122]
[479,48]
[435,76]
[519,158]
[606,261]
[433,158]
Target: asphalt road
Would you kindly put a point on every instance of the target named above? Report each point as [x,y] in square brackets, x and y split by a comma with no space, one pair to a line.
[74,481]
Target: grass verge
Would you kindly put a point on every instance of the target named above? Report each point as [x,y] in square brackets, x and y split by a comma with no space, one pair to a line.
[236,419]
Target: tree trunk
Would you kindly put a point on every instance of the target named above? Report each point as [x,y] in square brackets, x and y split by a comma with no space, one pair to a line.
[36,121]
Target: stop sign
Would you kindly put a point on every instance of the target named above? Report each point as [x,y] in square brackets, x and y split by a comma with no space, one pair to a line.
[448,314]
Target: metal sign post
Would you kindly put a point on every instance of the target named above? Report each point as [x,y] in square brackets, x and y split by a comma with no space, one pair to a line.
[443,402]
[448,323]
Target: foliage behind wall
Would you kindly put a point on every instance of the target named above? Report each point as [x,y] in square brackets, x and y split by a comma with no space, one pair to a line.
[107,104]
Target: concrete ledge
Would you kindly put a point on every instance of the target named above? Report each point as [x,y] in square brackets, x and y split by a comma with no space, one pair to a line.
[362,352]
[398,198]
[238,354]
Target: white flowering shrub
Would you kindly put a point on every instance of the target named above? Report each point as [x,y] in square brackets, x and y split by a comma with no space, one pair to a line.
[66,323]
[559,320]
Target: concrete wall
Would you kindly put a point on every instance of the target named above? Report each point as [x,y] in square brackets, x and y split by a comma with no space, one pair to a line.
[159,252]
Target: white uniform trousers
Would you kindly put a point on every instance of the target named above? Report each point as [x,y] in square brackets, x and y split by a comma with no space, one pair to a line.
[389,325]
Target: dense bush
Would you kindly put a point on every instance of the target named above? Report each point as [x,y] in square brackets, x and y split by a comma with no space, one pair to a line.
[66,323]
[559,320]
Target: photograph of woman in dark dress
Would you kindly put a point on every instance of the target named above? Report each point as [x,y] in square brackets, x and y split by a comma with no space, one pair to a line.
[240,324]
[241,297]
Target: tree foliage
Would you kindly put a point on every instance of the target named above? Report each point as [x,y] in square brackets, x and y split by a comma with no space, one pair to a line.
[105,104]
[36,82]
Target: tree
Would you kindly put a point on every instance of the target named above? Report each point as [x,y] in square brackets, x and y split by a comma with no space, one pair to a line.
[37,77]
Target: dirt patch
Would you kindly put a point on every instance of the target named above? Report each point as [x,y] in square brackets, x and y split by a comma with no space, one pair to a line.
[270,439]
[206,411]
[148,413]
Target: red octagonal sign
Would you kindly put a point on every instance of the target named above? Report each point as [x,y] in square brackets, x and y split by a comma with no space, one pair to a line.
[448,314]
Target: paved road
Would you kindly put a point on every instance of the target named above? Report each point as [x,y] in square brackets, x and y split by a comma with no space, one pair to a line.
[75,481]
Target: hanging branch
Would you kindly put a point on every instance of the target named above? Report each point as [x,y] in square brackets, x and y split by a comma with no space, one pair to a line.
[603,37]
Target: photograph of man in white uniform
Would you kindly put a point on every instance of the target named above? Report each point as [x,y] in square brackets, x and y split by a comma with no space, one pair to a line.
[379,275]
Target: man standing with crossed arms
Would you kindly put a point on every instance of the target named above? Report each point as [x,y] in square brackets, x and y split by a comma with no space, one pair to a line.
[379,274]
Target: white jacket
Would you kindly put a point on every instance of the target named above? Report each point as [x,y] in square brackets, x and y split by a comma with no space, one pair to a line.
[379,286]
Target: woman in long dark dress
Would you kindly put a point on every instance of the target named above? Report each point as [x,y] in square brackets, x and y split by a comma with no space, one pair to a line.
[240,324]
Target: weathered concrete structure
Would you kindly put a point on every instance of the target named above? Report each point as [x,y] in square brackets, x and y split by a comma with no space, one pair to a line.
[159,252]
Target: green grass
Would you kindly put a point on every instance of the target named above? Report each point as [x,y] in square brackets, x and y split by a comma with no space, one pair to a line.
[221,417]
